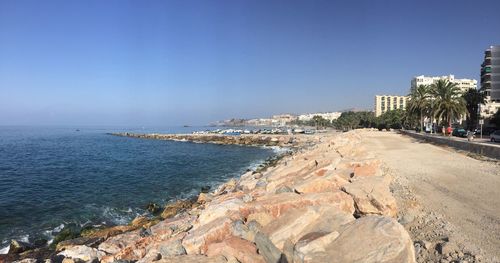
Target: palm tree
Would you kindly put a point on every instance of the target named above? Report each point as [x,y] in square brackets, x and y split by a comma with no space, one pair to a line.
[448,103]
[419,103]
[473,98]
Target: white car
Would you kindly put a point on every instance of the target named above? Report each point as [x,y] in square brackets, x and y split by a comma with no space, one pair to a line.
[495,136]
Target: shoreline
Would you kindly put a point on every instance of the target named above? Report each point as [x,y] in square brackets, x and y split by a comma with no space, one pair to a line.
[329,186]
[262,164]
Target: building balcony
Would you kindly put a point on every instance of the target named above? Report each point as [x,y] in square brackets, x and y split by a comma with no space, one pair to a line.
[485,77]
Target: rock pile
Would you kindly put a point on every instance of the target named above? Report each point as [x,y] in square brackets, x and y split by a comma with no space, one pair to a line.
[243,139]
[327,203]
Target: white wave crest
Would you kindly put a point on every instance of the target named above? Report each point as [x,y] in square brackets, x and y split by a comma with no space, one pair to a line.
[4,250]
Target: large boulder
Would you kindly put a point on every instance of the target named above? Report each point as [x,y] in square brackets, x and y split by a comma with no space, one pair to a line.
[198,239]
[176,207]
[107,232]
[17,246]
[87,241]
[368,239]
[82,253]
[267,249]
[218,210]
[277,204]
[298,222]
[372,196]
[116,243]
[193,259]
[243,250]
[316,184]
[171,248]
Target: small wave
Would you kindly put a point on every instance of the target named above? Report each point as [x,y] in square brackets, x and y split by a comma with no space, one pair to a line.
[58,228]
[117,216]
[25,238]
[255,165]
[4,250]
[278,150]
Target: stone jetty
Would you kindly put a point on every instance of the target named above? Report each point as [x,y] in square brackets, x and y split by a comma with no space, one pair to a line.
[243,139]
[328,201]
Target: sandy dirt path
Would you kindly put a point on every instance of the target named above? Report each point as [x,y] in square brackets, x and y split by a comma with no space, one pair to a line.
[465,191]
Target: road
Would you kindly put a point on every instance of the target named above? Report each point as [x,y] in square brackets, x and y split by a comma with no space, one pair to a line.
[464,190]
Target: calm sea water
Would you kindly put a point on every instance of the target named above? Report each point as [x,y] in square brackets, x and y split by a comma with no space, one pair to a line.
[51,177]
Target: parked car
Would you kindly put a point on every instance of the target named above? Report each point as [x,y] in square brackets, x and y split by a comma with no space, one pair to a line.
[495,136]
[488,131]
[459,132]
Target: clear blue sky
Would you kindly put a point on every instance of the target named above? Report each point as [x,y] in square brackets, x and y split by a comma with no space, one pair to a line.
[176,62]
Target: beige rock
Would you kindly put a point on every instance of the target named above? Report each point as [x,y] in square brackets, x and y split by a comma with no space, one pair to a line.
[277,204]
[170,227]
[262,218]
[243,250]
[368,239]
[311,244]
[317,184]
[87,241]
[198,239]
[267,249]
[229,186]
[116,243]
[83,253]
[298,222]
[367,168]
[193,259]
[139,221]
[218,210]
[203,198]
[107,232]
[174,208]
[372,196]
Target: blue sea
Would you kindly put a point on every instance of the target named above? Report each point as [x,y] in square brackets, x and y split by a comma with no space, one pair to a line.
[51,177]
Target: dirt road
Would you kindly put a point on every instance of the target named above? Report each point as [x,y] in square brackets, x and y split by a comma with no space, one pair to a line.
[462,191]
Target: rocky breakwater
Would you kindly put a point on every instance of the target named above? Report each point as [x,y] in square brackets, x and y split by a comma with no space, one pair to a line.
[326,203]
[243,139]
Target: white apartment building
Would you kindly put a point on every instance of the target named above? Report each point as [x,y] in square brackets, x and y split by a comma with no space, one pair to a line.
[463,84]
[385,103]
[326,115]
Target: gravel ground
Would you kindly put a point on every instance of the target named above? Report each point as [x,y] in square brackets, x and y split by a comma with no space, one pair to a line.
[448,201]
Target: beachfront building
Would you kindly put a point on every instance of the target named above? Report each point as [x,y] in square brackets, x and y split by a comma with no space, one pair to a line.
[490,81]
[463,84]
[326,115]
[283,119]
[385,103]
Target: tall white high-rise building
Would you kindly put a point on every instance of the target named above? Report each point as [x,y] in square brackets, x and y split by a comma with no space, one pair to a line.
[463,84]
[385,103]
[490,81]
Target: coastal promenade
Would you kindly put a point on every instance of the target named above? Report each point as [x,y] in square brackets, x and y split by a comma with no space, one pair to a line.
[479,146]
[443,193]
[327,201]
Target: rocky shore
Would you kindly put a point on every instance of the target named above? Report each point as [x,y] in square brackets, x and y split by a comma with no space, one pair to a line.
[328,201]
[244,139]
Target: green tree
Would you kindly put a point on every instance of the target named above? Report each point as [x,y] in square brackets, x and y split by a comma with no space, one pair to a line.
[419,104]
[393,119]
[449,105]
[319,121]
[473,98]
